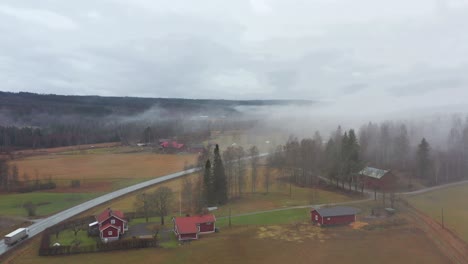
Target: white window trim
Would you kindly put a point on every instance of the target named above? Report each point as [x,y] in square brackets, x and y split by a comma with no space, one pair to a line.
[109,233]
[112,221]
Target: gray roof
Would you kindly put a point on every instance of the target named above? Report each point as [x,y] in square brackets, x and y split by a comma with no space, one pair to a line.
[373,172]
[337,210]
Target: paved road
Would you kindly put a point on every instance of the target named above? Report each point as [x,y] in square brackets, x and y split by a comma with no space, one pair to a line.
[41,225]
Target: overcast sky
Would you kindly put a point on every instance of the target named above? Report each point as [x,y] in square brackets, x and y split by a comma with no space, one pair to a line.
[372,52]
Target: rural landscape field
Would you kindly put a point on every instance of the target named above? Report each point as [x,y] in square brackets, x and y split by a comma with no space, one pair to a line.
[250,131]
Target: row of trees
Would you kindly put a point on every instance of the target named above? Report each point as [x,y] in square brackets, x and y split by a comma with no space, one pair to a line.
[157,203]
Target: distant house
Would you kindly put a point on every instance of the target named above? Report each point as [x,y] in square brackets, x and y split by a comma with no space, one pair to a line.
[171,145]
[337,215]
[111,224]
[189,227]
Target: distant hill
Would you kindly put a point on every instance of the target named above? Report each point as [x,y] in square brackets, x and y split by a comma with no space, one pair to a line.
[29,120]
[23,104]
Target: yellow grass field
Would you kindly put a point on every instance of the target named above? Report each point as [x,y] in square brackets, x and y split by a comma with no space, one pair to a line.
[280,244]
[104,166]
[453,201]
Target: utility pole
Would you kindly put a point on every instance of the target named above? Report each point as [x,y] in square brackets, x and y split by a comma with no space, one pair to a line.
[180,202]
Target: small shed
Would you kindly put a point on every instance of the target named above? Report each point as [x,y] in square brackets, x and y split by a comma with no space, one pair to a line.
[337,215]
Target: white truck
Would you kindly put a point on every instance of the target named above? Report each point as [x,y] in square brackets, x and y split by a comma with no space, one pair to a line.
[17,235]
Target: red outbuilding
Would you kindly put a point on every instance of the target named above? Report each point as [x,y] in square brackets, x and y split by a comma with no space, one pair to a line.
[189,227]
[338,215]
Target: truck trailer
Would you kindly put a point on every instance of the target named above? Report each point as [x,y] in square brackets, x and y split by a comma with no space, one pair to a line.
[16,236]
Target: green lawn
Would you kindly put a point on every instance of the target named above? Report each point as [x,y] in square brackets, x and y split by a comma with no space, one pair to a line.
[47,203]
[269,218]
[67,238]
[452,200]
[280,198]
[172,243]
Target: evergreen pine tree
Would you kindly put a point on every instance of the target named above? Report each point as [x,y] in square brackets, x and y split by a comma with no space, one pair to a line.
[424,161]
[219,178]
[208,191]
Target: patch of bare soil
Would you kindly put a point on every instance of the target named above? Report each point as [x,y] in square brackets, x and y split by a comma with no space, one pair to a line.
[291,233]
[358,225]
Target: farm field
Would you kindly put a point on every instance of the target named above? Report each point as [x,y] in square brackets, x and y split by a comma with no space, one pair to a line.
[104,165]
[287,243]
[101,171]
[453,200]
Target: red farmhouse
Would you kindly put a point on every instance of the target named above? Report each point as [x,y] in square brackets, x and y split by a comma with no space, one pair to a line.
[337,215]
[112,224]
[189,227]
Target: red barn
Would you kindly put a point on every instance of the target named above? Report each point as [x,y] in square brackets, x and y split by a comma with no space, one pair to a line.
[189,227]
[338,215]
[377,179]
[112,224]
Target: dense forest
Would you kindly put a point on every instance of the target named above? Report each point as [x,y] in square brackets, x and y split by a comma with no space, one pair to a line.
[30,120]
[387,145]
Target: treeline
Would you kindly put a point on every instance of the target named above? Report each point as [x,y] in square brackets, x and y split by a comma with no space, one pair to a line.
[385,146]
[12,138]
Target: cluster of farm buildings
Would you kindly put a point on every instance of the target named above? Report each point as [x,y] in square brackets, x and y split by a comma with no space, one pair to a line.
[112,224]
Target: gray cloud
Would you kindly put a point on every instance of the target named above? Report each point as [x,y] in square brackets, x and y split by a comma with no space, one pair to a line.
[338,51]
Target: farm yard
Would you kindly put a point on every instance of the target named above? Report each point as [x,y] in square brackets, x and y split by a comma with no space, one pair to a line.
[453,202]
[289,240]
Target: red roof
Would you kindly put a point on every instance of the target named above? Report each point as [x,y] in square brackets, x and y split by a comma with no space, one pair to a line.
[172,144]
[104,227]
[188,225]
[108,213]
